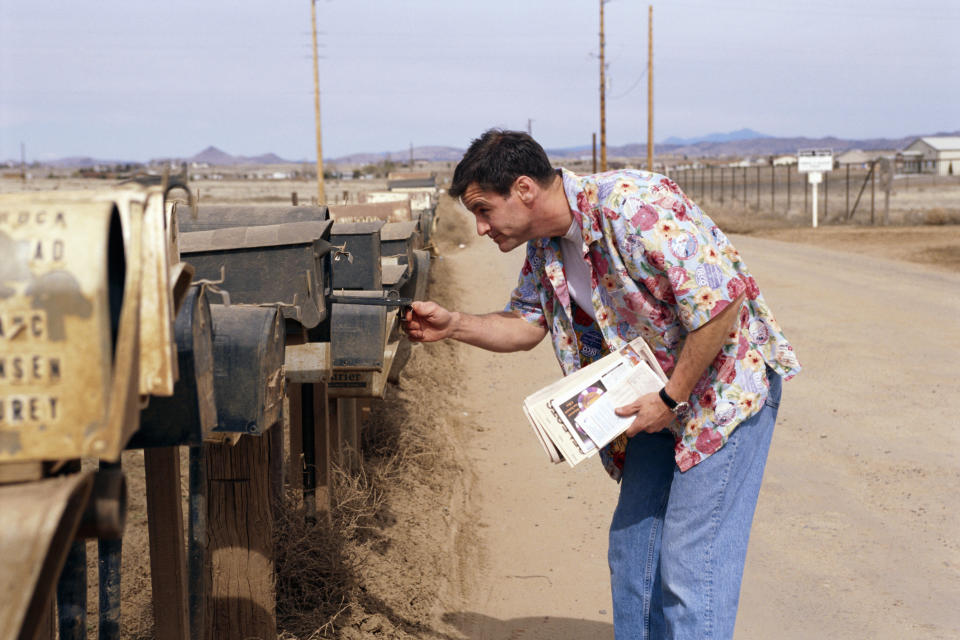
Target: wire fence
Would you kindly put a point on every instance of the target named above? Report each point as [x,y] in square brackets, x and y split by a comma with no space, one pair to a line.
[861,193]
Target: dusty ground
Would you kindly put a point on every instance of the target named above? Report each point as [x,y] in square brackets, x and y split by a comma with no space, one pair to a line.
[477,536]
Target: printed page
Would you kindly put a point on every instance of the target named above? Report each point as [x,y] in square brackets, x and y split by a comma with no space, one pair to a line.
[600,421]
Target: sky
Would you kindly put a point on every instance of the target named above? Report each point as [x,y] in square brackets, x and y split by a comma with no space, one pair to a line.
[138,80]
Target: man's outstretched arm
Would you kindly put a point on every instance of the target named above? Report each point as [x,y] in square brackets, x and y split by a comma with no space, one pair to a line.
[500,331]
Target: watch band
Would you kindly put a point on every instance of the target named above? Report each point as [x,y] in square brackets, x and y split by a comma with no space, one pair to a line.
[667,400]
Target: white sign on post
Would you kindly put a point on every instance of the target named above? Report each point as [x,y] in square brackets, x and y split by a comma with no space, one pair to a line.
[814,162]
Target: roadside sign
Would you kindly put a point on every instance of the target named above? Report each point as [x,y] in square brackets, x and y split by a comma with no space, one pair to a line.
[814,160]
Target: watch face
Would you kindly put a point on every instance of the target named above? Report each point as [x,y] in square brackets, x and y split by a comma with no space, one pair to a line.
[681,408]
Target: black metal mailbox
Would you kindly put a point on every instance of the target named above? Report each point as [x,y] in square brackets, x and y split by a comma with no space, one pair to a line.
[248,379]
[188,417]
[282,264]
[358,333]
[356,258]
[400,239]
[209,217]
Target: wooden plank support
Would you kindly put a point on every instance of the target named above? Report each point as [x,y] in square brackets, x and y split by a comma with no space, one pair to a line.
[240,529]
[349,424]
[168,560]
[322,443]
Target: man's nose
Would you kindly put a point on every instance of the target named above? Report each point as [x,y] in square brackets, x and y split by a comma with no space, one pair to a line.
[482,228]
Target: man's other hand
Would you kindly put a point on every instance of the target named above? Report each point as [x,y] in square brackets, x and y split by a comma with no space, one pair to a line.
[650,414]
[427,322]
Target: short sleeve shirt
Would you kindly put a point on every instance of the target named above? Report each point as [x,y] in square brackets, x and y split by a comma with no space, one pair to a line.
[660,268]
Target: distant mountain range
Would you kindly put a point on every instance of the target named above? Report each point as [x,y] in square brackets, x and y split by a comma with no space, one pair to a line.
[744,142]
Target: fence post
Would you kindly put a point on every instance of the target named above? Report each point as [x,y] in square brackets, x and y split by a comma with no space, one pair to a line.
[744,187]
[826,187]
[873,193]
[703,173]
[733,183]
[848,192]
[758,187]
[773,185]
[789,176]
[806,190]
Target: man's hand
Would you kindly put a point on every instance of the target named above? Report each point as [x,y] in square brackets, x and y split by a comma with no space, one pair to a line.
[650,414]
[500,331]
[428,322]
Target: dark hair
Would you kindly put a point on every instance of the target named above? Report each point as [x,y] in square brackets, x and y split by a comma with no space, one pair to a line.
[497,158]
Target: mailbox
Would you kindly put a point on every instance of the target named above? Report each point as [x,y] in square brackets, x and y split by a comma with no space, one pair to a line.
[356,257]
[190,415]
[69,314]
[397,243]
[281,264]
[210,217]
[158,357]
[248,377]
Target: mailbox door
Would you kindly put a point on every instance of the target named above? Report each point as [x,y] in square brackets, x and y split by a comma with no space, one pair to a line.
[227,216]
[69,306]
[190,415]
[248,375]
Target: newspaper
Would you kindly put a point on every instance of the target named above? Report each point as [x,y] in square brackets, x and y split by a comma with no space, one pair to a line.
[574,417]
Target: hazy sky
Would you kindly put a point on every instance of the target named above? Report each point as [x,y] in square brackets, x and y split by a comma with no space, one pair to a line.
[135,80]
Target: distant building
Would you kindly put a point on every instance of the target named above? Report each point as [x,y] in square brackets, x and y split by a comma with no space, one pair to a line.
[934,154]
[785,160]
[862,159]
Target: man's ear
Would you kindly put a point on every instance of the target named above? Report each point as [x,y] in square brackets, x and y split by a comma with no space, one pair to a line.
[526,189]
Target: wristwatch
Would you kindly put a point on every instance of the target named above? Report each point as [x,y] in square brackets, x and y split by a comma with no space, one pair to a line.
[677,407]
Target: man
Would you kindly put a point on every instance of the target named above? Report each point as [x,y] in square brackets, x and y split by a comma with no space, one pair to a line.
[611,257]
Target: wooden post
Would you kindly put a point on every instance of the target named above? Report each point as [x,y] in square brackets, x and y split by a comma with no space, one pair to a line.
[322,441]
[721,185]
[733,183]
[240,527]
[773,188]
[321,195]
[711,182]
[168,559]
[744,187]
[603,99]
[295,461]
[848,192]
[349,431]
[826,188]
[333,432]
[649,88]
[789,176]
[758,187]
[873,191]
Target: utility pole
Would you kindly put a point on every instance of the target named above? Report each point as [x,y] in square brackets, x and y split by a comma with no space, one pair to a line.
[411,156]
[650,88]
[23,164]
[530,127]
[603,99]
[321,195]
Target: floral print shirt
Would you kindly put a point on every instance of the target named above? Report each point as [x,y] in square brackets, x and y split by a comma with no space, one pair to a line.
[660,268]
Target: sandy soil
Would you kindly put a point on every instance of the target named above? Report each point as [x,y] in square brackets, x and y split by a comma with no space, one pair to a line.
[853,532]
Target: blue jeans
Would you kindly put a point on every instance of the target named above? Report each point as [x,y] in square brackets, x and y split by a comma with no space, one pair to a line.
[678,541]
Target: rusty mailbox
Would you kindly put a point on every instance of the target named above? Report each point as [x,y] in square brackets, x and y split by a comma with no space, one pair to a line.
[190,415]
[248,374]
[360,353]
[398,241]
[282,264]
[69,315]
[209,217]
[356,260]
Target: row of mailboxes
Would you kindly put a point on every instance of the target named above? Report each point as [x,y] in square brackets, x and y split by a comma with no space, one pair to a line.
[91,285]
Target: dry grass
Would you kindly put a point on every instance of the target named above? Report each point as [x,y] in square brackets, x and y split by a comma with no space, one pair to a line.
[381,566]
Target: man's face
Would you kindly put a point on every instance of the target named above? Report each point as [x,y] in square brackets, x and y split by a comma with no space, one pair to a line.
[506,220]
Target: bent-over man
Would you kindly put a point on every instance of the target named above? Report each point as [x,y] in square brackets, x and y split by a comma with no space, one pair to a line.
[610,257]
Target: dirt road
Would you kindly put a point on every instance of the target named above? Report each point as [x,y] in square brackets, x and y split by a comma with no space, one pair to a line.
[856,529]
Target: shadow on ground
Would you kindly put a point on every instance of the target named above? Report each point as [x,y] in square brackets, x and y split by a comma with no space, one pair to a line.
[476,626]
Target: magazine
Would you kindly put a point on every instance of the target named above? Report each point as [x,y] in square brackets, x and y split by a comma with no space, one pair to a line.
[574,417]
